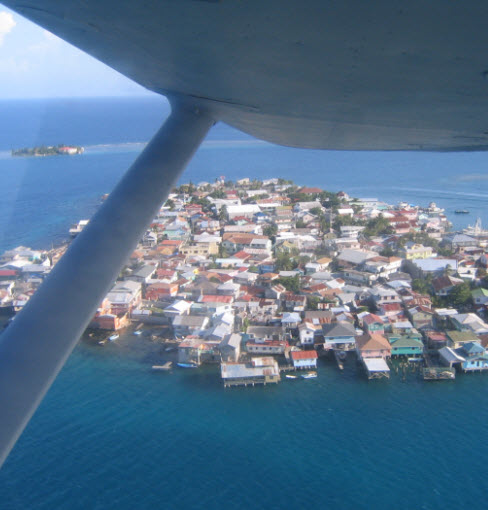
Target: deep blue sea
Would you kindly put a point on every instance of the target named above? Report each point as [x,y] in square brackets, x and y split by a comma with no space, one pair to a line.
[112,434]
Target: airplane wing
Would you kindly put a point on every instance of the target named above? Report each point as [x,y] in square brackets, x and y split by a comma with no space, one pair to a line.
[382,75]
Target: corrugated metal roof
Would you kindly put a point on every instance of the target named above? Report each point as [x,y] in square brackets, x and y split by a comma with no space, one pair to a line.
[376,365]
[300,355]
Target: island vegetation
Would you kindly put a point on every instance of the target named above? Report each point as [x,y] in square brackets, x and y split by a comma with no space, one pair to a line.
[49,150]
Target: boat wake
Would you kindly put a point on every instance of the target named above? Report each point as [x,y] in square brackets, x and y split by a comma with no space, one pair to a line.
[206,145]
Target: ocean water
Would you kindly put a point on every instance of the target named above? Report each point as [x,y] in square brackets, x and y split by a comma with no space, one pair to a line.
[113,434]
[41,197]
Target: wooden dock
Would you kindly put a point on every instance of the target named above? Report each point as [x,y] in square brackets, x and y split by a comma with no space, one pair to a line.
[439,373]
[286,368]
[249,382]
[432,372]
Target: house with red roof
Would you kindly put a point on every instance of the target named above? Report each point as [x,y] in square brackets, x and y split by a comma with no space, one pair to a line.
[310,191]
[166,275]
[158,291]
[390,309]
[304,360]
[421,316]
[372,323]
[443,285]
[211,298]
[8,274]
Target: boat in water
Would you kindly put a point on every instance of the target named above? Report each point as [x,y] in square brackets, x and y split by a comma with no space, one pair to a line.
[290,376]
[113,337]
[78,227]
[477,230]
[187,365]
[309,375]
[461,211]
[138,332]
[432,208]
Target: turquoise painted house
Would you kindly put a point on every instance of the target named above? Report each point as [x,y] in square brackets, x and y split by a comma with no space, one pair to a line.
[373,324]
[475,357]
[403,345]
[393,337]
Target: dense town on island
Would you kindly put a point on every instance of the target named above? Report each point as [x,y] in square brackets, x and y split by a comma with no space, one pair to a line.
[263,278]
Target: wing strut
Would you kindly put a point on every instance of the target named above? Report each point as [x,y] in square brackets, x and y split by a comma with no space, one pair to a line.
[35,346]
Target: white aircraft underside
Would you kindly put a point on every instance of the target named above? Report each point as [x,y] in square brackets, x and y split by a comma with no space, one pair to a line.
[350,74]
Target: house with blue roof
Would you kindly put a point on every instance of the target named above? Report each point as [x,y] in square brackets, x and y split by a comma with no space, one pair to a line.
[470,357]
[475,357]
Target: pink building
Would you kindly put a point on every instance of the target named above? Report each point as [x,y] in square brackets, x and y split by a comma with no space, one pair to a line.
[373,345]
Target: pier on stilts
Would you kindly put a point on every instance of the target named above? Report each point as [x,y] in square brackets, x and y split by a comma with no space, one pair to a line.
[433,372]
[376,368]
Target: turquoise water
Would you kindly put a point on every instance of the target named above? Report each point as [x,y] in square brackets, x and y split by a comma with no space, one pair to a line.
[112,434]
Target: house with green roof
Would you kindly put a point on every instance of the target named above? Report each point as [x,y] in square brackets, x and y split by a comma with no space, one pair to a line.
[394,336]
[457,339]
[480,296]
[405,345]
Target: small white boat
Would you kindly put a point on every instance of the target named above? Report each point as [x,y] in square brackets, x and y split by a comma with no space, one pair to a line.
[113,337]
[187,365]
[76,229]
[309,375]
[167,366]
[138,332]
[290,376]
[102,342]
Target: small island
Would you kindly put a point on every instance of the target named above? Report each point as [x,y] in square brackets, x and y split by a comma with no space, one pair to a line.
[51,150]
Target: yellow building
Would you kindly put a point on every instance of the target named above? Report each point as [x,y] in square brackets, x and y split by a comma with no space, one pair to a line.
[203,249]
[416,251]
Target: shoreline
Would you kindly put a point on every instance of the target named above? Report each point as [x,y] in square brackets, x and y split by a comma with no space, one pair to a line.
[266,217]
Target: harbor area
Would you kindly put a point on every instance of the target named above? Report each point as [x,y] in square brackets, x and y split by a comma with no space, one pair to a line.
[253,279]
[156,350]
[263,370]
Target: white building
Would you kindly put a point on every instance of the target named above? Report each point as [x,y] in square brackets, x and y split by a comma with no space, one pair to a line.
[246,210]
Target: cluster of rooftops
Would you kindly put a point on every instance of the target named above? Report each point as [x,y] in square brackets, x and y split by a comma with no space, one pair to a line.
[267,276]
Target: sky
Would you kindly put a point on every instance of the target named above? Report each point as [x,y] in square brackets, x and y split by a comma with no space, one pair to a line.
[36,64]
